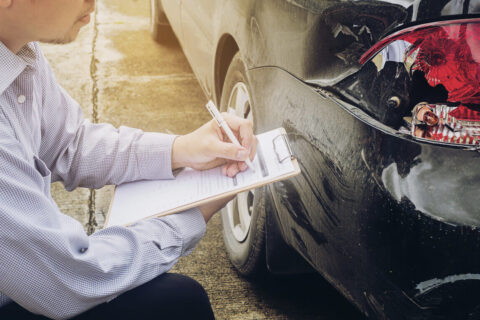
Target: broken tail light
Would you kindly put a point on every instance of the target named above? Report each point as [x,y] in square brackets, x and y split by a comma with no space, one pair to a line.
[449,124]
[448,55]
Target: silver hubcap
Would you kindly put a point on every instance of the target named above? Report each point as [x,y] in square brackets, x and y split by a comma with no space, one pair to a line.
[240,209]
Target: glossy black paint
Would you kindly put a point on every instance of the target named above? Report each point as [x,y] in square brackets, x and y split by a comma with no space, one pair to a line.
[347,215]
[391,222]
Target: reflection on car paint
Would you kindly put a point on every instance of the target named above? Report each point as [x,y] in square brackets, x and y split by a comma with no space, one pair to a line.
[426,286]
[436,189]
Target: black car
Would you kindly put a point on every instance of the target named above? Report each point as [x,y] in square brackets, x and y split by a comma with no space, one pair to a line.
[380,100]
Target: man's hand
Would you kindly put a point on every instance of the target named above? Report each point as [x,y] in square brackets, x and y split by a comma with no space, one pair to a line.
[208,147]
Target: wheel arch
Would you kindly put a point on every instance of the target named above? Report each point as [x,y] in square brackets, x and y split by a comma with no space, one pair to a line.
[279,257]
[226,49]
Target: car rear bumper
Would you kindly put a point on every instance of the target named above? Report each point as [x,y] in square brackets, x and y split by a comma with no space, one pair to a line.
[390,222]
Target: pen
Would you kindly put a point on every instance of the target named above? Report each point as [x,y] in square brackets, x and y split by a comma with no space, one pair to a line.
[222,124]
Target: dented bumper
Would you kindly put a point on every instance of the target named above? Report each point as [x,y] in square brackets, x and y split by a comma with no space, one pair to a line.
[391,222]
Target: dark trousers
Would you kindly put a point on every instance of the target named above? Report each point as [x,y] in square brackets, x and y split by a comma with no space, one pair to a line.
[169,296]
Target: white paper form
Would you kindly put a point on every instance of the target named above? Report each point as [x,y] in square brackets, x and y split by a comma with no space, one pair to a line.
[141,199]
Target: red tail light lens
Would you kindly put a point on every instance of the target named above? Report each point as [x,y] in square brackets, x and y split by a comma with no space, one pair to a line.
[448,54]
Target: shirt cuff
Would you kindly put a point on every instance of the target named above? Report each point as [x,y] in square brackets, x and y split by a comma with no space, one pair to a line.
[154,156]
[191,226]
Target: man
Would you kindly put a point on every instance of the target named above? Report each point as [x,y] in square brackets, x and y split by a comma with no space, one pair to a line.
[49,266]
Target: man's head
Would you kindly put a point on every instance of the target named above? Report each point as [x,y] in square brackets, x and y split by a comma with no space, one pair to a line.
[54,21]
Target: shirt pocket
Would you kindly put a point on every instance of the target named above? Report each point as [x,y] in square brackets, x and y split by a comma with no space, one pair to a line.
[44,172]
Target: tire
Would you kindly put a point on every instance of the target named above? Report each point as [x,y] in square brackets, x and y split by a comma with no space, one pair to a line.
[245,248]
[160,28]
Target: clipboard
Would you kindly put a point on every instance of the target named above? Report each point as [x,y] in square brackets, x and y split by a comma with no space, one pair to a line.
[282,153]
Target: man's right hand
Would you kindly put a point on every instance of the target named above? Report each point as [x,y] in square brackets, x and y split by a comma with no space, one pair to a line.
[208,147]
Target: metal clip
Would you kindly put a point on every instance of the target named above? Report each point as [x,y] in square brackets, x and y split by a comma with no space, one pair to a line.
[280,158]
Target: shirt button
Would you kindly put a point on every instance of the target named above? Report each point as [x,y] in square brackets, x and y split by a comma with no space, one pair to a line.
[21,99]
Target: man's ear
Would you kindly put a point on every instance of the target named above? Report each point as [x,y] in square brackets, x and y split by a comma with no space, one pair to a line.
[5,3]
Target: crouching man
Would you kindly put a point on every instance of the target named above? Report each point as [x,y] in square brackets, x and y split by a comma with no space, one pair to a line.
[49,266]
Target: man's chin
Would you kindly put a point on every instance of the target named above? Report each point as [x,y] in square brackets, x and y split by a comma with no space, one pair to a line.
[59,40]
[70,37]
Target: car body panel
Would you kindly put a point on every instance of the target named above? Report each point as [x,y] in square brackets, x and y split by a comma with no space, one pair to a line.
[369,211]
[326,38]
[199,41]
[388,220]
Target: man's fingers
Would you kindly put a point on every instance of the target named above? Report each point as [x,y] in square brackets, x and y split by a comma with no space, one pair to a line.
[236,155]
[247,138]
[253,148]
[229,169]
[232,169]
[227,150]
[233,121]
[218,130]
[215,163]
[242,166]
[242,127]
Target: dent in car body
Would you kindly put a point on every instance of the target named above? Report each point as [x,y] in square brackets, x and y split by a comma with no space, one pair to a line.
[378,239]
[326,38]
[379,244]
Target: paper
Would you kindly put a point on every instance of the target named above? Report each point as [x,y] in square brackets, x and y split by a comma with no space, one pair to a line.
[138,200]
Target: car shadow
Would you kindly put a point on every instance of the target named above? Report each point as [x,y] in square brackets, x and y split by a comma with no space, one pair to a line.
[170,42]
[306,296]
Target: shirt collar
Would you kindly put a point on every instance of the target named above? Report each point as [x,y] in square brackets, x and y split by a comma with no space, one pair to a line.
[12,65]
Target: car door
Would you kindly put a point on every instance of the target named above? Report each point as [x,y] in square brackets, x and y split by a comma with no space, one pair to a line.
[198,17]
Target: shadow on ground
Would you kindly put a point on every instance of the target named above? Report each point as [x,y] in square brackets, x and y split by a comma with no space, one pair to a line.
[307,294]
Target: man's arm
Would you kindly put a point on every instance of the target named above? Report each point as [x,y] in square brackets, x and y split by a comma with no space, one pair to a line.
[80,153]
[51,267]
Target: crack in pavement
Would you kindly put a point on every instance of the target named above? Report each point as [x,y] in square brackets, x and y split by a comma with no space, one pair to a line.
[92,222]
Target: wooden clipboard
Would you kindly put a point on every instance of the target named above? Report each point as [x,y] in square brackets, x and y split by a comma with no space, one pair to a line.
[282,136]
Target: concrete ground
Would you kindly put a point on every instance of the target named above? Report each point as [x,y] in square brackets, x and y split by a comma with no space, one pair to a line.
[119,75]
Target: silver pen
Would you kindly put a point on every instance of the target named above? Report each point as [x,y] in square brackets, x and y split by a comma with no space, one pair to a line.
[222,124]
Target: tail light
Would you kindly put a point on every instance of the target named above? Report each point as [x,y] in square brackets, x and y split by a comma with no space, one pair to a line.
[448,55]
[450,124]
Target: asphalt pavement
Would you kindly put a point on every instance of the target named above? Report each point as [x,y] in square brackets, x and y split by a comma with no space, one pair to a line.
[119,75]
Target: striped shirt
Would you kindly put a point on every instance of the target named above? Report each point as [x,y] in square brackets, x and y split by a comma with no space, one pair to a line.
[48,264]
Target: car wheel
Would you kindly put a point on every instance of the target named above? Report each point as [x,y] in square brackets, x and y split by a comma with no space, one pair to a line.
[243,218]
[160,28]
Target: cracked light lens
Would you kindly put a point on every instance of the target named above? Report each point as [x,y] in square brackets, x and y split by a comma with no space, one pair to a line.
[456,125]
[448,53]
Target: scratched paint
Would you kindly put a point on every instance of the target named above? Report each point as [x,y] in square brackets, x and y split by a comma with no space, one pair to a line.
[426,286]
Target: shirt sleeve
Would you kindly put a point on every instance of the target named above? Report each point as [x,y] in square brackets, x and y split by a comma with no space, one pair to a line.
[81,153]
[51,267]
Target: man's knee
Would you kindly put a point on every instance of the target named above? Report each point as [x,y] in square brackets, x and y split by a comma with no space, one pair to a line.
[182,288]
[169,296]
[182,296]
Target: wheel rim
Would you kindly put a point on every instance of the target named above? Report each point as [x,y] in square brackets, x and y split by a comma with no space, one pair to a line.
[240,209]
